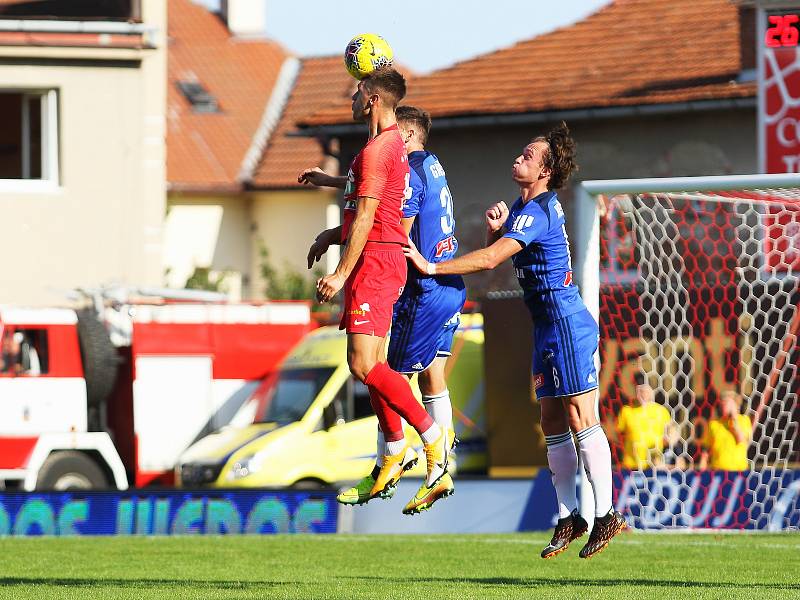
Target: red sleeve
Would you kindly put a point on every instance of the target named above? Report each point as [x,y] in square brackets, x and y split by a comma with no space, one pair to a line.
[376,164]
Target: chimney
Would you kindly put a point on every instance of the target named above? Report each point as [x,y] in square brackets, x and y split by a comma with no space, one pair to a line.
[245,18]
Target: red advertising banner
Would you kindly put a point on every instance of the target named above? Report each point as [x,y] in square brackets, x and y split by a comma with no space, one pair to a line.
[779,127]
[779,90]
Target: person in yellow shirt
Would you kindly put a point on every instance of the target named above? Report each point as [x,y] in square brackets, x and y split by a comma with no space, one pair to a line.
[643,429]
[726,439]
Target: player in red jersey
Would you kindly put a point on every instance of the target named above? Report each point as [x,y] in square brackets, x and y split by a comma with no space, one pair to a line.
[372,271]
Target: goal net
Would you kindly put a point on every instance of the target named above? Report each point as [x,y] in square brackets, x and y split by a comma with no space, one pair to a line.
[695,286]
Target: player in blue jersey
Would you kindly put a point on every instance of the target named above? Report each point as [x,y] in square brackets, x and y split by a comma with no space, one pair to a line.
[565,335]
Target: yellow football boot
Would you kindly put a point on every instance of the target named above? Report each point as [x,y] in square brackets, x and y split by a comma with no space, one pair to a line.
[392,470]
[426,496]
[361,492]
[437,455]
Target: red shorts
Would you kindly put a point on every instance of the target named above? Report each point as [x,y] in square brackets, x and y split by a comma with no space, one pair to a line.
[372,289]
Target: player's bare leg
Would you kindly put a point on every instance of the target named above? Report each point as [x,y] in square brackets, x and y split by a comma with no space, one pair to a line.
[596,456]
[562,460]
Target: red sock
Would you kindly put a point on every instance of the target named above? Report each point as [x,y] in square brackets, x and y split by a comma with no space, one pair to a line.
[388,420]
[393,389]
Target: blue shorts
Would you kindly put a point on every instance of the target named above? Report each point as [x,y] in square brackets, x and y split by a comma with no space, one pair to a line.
[423,326]
[563,355]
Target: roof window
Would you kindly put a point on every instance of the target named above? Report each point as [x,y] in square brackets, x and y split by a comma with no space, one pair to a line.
[201,99]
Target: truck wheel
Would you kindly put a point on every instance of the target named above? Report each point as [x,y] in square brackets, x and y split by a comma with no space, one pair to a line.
[99,357]
[70,470]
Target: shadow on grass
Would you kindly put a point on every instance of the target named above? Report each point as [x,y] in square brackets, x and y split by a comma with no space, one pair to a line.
[548,581]
[142,583]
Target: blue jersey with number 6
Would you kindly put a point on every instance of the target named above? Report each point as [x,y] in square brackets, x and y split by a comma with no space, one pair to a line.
[429,200]
[565,335]
[543,266]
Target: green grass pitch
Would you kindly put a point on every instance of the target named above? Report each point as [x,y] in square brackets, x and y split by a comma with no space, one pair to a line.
[638,566]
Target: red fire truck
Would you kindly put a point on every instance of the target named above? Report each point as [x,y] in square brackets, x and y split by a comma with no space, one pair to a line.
[110,396]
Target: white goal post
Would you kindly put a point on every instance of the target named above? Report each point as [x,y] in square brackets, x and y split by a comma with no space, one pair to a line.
[695,283]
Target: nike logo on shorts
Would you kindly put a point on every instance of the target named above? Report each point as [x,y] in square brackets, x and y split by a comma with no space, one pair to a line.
[357,322]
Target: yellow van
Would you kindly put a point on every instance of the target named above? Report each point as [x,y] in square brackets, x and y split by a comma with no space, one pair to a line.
[311,423]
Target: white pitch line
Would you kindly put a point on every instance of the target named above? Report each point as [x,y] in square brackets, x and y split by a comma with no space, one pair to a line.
[478,539]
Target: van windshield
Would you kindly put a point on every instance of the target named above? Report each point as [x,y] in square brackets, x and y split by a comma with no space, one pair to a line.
[288,395]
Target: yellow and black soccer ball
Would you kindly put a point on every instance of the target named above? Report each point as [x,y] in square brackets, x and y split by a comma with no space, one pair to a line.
[365,53]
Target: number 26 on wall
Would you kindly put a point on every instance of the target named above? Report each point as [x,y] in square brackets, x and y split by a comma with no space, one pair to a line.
[783,31]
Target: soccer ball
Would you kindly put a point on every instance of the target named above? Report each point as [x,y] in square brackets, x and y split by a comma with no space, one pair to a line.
[365,53]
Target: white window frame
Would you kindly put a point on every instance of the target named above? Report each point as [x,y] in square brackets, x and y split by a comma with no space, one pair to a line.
[50,179]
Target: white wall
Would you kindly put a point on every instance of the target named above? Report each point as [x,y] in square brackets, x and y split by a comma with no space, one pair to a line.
[287,222]
[208,231]
[225,233]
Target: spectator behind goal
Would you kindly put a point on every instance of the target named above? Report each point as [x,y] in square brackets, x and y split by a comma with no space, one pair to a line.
[725,440]
[643,430]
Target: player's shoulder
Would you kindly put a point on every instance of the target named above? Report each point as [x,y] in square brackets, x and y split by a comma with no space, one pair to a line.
[426,164]
[386,142]
[549,201]
[417,158]
[417,163]
[431,158]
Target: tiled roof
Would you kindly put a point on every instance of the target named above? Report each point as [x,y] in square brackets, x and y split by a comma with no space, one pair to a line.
[321,81]
[631,52]
[206,150]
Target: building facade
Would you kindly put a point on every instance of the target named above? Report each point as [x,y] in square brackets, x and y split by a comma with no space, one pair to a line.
[82,172]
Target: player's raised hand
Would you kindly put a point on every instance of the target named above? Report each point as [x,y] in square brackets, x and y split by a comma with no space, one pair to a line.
[497,215]
[415,257]
[314,176]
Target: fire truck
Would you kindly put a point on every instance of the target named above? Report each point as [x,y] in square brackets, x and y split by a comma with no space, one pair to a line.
[108,396]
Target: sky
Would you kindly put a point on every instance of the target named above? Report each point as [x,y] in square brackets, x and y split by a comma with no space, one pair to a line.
[425,34]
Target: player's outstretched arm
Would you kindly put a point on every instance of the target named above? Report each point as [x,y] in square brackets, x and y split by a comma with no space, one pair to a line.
[319,178]
[329,286]
[484,259]
[321,244]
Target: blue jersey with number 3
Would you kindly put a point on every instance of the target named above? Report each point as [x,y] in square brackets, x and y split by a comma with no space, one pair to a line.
[429,200]
[543,266]
[426,316]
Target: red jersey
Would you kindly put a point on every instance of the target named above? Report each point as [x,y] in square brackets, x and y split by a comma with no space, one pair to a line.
[379,171]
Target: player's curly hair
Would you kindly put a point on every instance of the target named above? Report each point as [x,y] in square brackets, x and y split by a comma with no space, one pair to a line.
[560,157]
[389,81]
[416,117]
